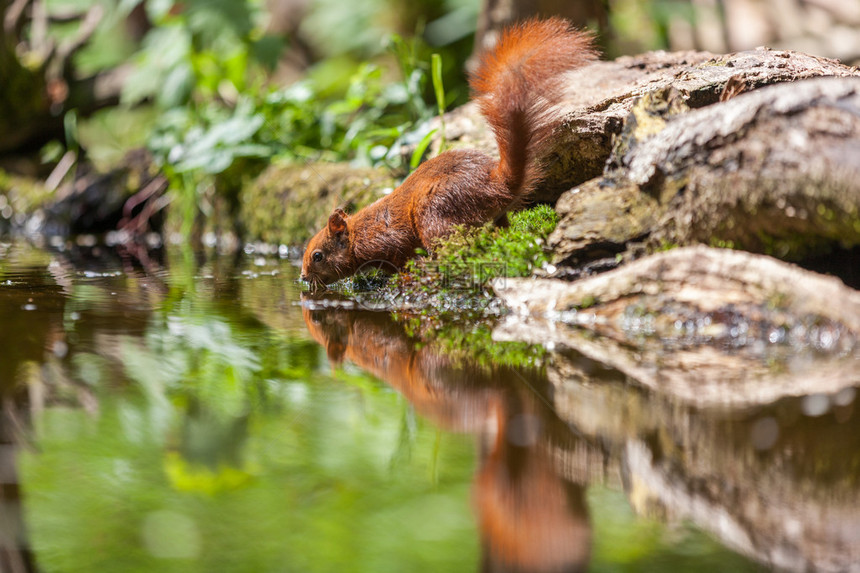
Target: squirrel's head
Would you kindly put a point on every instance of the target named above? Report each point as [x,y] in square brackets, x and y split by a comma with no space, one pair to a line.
[331,329]
[327,257]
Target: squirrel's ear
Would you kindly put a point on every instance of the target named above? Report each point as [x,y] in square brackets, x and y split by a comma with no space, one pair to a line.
[337,222]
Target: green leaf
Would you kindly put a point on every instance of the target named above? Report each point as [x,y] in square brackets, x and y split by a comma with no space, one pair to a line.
[420,149]
[70,128]
[267,50]
[438,88]
[176,88]
[157,10]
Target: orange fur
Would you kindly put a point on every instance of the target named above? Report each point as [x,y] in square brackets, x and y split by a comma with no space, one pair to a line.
[530,518]
[515,84]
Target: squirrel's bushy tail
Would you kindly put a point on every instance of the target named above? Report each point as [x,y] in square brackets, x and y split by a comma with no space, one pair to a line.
[517,81]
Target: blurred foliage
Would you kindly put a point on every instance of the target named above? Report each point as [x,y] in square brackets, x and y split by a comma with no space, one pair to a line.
[639,26]
[202,48]
[208,67]
[323,472]
[205,65]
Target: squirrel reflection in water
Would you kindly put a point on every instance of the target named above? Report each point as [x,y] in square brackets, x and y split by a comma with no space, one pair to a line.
[530,518]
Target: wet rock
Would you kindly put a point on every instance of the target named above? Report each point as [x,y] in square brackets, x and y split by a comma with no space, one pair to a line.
[707,326]
[601,218]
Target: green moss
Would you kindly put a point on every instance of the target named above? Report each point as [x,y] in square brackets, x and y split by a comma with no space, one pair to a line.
[721,243]
[777,301]
[587,302]
[488,252]
[794,247]
[457,273]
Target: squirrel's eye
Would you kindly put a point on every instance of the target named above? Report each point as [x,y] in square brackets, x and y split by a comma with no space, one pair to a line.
[317,256]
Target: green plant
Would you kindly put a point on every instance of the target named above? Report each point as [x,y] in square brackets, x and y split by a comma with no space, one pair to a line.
[201,50]
[488,252]
[439,90]
[207,129]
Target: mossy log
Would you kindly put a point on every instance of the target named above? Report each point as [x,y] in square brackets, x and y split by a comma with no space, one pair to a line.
[600,97]
[706,326]
[773,171]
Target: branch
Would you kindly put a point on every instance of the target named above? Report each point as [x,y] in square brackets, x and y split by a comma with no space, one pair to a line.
[88,27]
[60,66]
[64,17]
[39,41]
[13,21]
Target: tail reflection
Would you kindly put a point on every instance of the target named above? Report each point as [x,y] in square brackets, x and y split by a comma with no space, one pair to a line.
[530,517]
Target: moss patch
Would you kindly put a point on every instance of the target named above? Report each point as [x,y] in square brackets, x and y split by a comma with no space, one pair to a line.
[453,279]
[470,257]
[451,283]
[482,253]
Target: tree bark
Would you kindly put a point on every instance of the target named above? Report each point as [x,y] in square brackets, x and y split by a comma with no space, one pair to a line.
[773,171]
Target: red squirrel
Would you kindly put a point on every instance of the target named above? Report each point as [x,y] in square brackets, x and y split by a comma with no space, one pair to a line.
[514,85]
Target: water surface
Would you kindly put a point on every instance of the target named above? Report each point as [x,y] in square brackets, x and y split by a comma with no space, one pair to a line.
[190,413]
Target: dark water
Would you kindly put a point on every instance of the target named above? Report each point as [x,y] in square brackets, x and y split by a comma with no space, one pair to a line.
[188,414]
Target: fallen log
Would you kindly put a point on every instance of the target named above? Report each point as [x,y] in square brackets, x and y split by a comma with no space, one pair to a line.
[774,171]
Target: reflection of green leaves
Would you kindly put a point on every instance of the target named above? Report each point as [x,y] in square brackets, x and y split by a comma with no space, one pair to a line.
[197,357]
[185,476]
[242,440]
[624,541]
